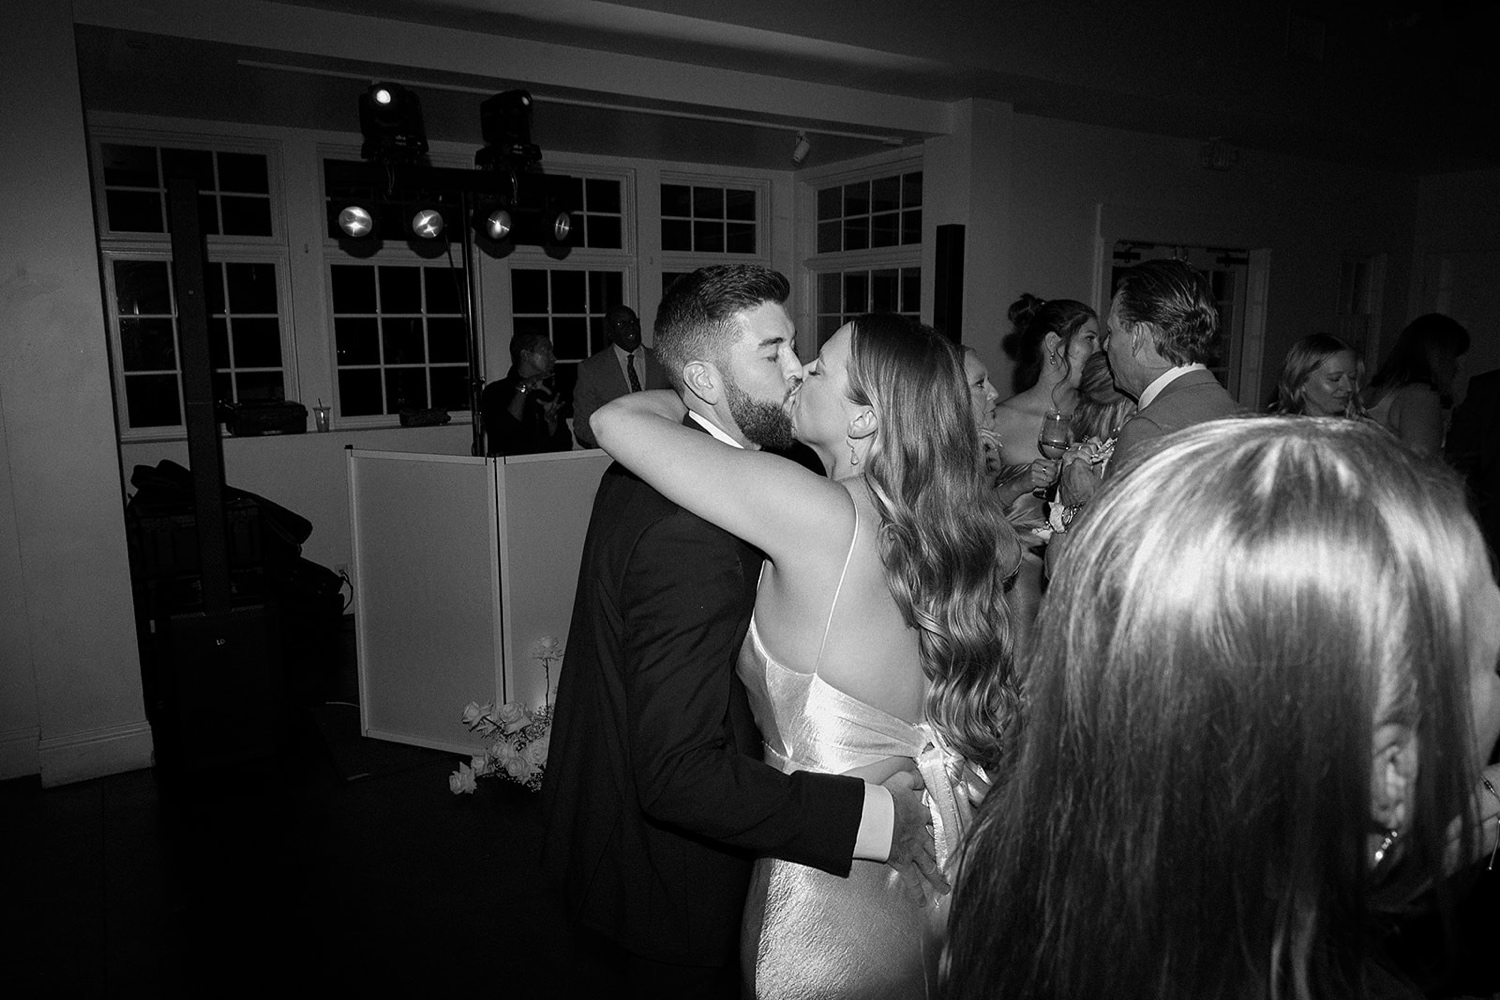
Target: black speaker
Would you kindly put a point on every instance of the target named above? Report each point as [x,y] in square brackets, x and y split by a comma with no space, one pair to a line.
[948,286]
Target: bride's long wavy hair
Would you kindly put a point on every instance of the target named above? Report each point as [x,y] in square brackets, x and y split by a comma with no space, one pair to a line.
[947,549]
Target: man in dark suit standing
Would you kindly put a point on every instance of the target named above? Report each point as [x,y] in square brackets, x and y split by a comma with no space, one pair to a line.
[655,798]
[624,366]
[1163,328]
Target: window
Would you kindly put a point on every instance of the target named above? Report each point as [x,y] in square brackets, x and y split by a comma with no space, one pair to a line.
[234,188]
[601,217]
[843,295]
[400,340]
[567,305]
[244,326]
[697,218]
[870,214]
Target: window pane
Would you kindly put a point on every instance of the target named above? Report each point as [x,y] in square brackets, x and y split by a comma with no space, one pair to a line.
[676,234]
[830,203]
[827,327]
[252,287]
[604,232]
[530,325]
[614,284]
[443,290]
[597,340]
[830,236]
[134,211]
[708,202]
[885,194]
[243,172]
[253,387]
[885,230]
[197,164]
[739,204]
[830,292]
[147,344]
[528,290]
[141,287]
[857,198]
[356,341]
[246,216]
[447,340]
[218,344]
[911,189]
[570,337]
[222,386]
[359,392]
[708,237]
[132,166]
[739,237]
[353,288]
[450,388]
[405,389]
[603,195]
[883,291]
[151,401]
[257,343]
[567,292]
[856,292]
[213,290]
[400,291]
[402,341]
[676,199]
[857,233]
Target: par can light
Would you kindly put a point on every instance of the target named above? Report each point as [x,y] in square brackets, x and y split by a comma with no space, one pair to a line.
[356,221]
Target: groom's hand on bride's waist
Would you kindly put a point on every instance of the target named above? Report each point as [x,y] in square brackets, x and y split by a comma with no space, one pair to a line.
[913,853]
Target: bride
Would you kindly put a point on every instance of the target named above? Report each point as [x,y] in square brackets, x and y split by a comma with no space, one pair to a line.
[881,633]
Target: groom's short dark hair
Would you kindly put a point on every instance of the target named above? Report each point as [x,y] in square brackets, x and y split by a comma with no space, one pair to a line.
[696,318]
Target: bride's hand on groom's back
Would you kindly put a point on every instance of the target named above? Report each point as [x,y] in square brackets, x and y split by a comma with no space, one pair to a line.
[913,853]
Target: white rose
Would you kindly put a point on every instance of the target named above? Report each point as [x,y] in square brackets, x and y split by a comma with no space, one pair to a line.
[501,752]
[519,768]
[461,782]
[513,717]
[536,750]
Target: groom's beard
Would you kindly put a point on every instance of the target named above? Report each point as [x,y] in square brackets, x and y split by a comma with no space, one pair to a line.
[764,424]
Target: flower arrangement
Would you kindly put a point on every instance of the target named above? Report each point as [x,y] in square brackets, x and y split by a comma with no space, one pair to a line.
[519,736]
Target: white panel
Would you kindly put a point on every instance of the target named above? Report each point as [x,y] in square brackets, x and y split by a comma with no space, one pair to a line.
[426,594]
[547,500]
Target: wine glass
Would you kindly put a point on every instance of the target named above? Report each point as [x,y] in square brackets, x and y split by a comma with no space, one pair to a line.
[1052,441]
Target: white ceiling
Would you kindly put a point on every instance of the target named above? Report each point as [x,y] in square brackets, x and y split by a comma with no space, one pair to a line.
[1401,84]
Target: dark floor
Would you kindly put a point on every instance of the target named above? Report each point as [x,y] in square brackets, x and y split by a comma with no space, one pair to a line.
[277,874]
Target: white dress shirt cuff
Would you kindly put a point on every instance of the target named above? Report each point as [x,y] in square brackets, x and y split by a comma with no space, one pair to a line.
[876,825]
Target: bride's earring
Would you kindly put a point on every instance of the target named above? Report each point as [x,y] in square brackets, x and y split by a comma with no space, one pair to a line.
[1386,843]
[853,458]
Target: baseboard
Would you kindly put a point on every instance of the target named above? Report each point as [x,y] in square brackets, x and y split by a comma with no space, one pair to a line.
[95,753]
[18,753]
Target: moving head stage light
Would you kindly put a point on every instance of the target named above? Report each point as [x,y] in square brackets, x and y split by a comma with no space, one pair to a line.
[391,120]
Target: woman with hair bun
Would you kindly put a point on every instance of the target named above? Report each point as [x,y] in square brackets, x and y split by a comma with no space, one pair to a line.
[1262,690]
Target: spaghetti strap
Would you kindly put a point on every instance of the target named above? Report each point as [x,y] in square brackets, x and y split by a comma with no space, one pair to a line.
[828,625]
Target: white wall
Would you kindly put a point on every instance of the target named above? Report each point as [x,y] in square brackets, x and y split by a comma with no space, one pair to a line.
[70,684]
[1458,258]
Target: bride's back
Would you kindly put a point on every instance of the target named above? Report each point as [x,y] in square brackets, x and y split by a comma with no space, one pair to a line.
[830,612]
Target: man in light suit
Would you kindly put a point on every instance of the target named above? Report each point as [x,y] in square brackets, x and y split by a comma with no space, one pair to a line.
[655,799]
[1163,328]
[624,366]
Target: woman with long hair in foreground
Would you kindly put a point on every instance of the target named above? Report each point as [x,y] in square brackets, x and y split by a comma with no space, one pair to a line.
[881,634]
[1262,688]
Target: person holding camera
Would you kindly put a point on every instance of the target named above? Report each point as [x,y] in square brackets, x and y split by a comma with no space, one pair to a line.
[522,412]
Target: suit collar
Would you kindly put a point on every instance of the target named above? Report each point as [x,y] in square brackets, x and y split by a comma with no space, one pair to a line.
[1173,379]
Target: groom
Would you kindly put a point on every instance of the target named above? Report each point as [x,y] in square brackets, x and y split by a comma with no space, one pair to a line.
[655,798]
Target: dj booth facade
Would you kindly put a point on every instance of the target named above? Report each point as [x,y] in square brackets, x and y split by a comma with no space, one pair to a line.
[460,566]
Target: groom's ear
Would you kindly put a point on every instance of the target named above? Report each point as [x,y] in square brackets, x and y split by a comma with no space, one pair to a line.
[701,379]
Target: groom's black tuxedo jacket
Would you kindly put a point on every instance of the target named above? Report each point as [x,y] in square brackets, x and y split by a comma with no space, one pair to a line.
[655,799]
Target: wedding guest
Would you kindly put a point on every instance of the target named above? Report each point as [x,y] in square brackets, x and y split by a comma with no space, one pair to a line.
[1473,448]
[523,413]
[1319,378]
[624,366]
[1415,382]
[1227,771]
[982,397]
[1052,341]
[1163,329]
[1102,410]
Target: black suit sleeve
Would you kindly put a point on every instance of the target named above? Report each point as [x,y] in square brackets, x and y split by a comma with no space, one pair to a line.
[683,626]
